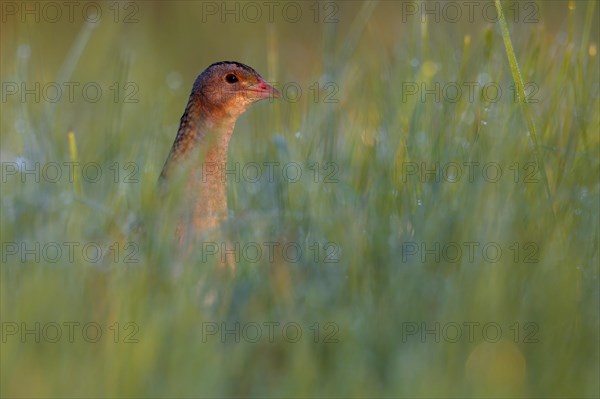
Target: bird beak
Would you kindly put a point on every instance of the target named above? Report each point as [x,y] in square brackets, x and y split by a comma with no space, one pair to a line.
[262,89]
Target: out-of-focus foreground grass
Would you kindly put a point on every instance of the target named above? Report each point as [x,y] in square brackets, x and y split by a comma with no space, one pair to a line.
[420,253]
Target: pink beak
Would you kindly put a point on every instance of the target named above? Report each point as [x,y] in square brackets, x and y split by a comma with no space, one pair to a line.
[264,89]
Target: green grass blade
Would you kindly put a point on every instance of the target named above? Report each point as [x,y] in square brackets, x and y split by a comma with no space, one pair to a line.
[522,99]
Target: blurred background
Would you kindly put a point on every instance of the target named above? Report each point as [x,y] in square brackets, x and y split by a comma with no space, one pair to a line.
[432,234]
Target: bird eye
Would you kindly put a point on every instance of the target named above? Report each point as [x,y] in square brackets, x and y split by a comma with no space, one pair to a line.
[231,78]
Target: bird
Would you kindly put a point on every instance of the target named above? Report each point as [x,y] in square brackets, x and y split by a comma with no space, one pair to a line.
[220,94]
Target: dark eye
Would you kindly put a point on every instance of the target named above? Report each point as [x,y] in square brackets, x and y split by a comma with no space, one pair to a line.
[231,78]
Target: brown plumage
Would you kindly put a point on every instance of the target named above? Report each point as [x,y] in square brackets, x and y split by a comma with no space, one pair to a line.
[219,96]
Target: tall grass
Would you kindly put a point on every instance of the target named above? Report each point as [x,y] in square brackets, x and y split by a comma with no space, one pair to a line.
[395,311]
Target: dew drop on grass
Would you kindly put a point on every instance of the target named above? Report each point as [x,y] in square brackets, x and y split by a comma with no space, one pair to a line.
[24,51]
[174,80]
[468,117]
[464,144]
[66,198]
[22,163]
[210,299]
[21,126]
[483,78]
[279,142]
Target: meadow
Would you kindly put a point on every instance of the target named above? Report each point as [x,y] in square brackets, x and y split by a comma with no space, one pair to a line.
[414,217]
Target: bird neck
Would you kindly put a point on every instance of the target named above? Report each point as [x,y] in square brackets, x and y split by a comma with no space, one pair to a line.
[210,188]
[202,127]
[210,132]
[200,153]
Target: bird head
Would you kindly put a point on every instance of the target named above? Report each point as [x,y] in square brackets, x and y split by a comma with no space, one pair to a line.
[231,86]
